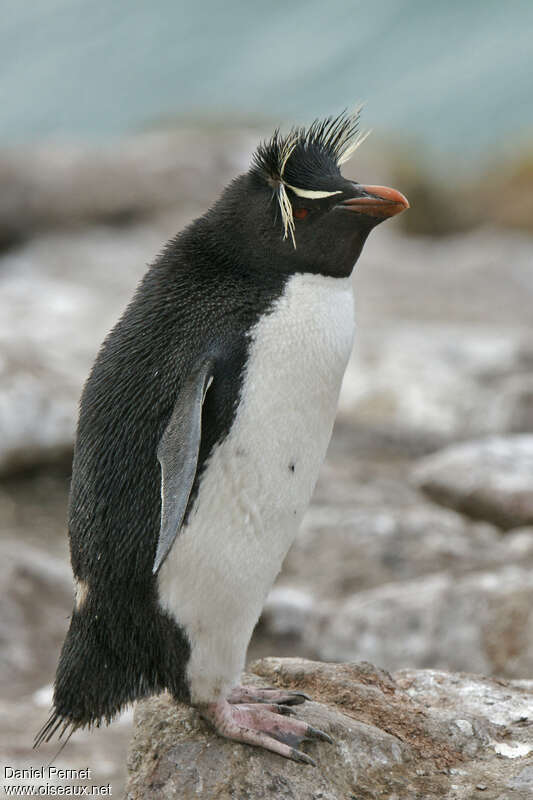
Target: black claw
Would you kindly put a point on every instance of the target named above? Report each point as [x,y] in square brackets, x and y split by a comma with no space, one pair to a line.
[285,710]
[303,758]
[302,694]
[296,698]
[286,701]
[316,733]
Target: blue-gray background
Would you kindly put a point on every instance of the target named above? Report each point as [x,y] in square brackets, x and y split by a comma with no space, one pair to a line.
[456,76]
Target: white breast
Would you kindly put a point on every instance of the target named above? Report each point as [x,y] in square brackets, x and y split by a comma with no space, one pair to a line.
[259,480]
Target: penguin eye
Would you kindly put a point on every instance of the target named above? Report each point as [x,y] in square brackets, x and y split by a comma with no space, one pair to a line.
[300,213]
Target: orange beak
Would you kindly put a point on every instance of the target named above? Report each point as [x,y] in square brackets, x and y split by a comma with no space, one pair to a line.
[381,202]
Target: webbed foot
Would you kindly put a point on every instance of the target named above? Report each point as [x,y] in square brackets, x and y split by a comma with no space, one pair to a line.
[265,725]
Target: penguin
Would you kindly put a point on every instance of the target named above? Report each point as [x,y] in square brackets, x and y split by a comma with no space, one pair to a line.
[202,428]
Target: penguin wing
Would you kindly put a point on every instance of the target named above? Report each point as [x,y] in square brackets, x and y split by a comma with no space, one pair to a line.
[178,455]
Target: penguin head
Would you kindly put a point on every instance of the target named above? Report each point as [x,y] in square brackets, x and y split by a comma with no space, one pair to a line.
[300,210]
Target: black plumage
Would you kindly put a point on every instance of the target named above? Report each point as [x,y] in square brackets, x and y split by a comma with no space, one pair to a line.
[199,296]
[198,303]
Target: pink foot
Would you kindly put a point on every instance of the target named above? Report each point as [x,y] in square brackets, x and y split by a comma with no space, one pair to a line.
[264,726]
[258,694]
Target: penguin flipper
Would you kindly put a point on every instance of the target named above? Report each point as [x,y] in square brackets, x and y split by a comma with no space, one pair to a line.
[178,455]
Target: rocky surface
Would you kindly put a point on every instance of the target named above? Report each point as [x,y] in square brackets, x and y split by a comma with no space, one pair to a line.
[489,479]
[342,550]
[482,621]
[62,186]
[52,322]
[380,570]
[36,590]
[414,735]
[381,573]
[443,345]
[472,613]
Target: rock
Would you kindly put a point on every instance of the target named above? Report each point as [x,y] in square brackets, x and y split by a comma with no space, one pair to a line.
[436,377]
[54,317]
[489,479]
[475,280]
[398,585]
[343,550]
[67,186]
[441,331]
[37,595]
[416,734]
[288,610]
[480,622]
[516,401]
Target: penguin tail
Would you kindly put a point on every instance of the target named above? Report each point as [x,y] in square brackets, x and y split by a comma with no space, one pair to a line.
[53,724]
[110,658]
[88,685]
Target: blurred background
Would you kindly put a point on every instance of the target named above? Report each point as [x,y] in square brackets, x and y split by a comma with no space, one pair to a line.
[122,121]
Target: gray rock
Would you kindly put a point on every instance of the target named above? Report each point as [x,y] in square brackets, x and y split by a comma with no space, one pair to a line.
[417,585]
[388,383]
[489,479]
[480,622]
[516,402]
[288,610]
[437,377]
[442,330]
[418,734]
[347,549]
[53,318]
[37,595]
[66,186]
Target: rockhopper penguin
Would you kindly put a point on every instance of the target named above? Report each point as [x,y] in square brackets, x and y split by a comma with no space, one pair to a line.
[202,429]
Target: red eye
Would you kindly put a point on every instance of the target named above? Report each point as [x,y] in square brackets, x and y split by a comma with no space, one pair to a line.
[300,213]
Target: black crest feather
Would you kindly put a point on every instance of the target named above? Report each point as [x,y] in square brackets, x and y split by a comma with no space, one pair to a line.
[329,142]
[297,157]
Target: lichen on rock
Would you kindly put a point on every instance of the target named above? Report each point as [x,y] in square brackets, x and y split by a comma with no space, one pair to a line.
[415,735]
